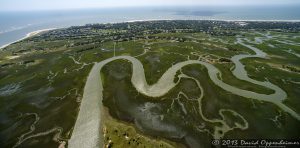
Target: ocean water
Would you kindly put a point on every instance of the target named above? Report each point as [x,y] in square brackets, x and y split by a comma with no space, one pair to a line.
[15,25]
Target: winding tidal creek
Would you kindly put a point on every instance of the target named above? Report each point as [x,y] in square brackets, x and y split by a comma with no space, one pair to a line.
[88,131]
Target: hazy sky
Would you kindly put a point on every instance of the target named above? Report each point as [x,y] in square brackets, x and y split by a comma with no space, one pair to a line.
[71,4]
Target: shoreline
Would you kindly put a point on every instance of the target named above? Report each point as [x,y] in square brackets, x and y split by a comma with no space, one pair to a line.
[33,33]
[30,34]
[225,20]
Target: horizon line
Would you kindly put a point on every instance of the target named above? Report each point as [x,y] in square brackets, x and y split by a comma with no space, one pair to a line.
[146,6]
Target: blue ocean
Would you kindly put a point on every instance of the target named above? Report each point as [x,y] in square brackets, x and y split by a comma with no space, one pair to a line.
[15,25]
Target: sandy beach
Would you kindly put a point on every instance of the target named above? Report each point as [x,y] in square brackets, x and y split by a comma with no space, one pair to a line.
[28,35]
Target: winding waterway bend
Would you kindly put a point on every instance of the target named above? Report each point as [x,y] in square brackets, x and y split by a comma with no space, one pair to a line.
[87,130]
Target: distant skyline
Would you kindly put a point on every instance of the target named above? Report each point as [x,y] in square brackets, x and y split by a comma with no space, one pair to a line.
[25,5]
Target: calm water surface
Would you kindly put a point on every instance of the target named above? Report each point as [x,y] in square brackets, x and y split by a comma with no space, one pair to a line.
[15,25]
